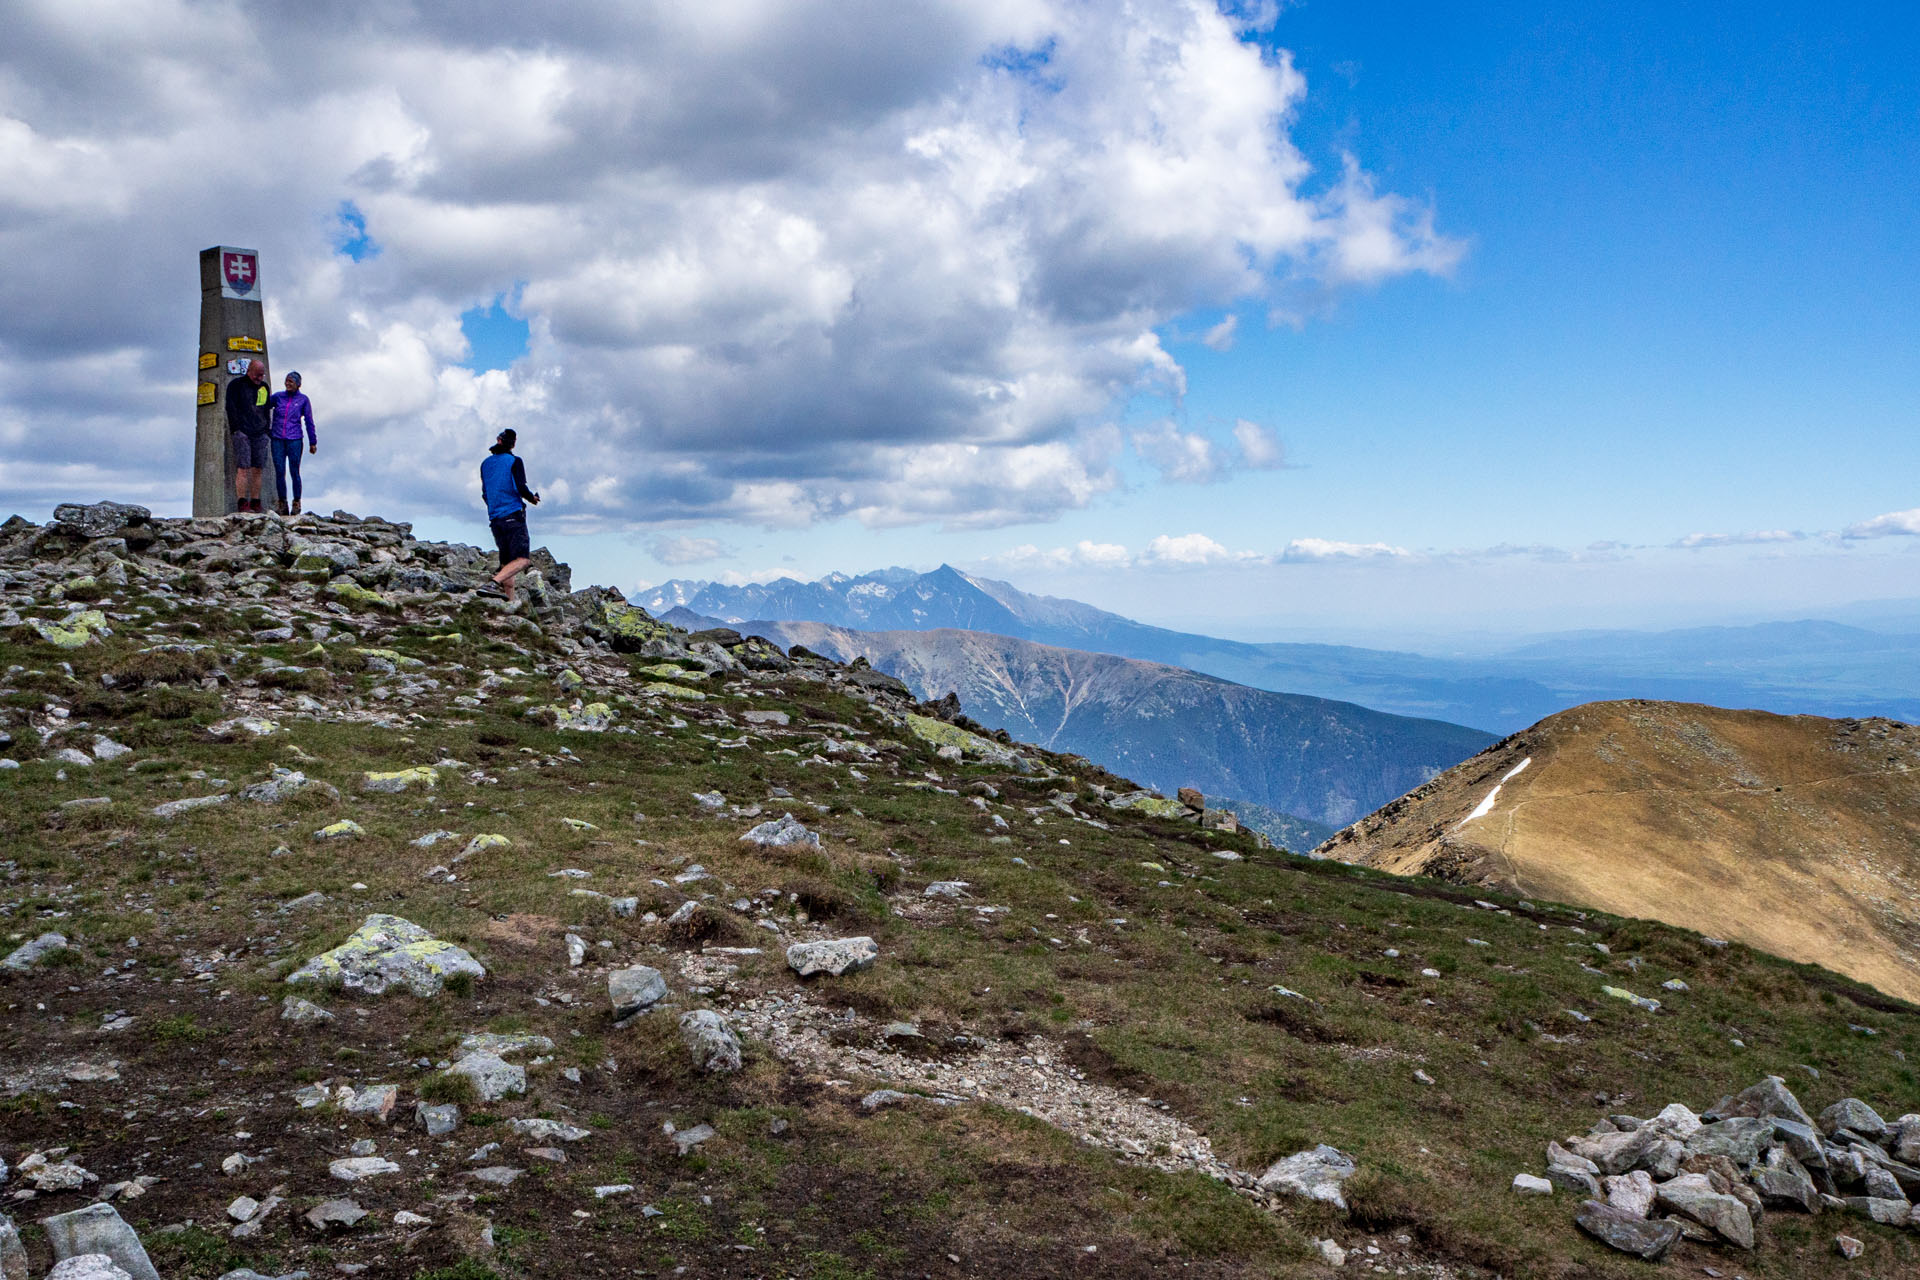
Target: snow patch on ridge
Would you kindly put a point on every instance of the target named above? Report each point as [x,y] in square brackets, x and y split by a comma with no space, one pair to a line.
[1485,806]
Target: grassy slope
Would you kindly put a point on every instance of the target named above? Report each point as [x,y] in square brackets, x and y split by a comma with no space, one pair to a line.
[1173,1004]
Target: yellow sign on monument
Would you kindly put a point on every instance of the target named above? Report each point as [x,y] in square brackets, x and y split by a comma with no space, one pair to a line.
[208,359]
[245,344]
[208,393]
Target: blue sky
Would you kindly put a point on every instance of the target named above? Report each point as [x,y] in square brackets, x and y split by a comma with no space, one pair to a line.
[1424,323]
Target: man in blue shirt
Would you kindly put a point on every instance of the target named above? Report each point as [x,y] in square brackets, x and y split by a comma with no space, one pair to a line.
[503,485]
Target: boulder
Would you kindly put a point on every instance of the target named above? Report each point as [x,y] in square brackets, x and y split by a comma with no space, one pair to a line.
[1637,1236]
[539,1130]
[98,1228]
[1740,1139]
[438,1119]
[1886,1212]
[1851,1113]
[334,1215]
[635,990]
[835,956]
[710,1040]
[1905,1142]
[360,1168]
[303,1013]
[1616,1153]
[493,1076]
[1631,1193]
[97,519]
[1692,1196]
[13,1254]
[1577,1181]
[28,954]
[373,1102]
[1677,1120]
[88,1266]
[1783,1183]
[388,952]
[781,834]
[1315,1175]
[1528,1184]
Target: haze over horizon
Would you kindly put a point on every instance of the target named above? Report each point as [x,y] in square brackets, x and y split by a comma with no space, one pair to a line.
[1261,320]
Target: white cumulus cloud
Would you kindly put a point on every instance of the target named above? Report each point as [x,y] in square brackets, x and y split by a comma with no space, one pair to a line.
[1756,537]
[781,263]
[1309,549]
[1892,525]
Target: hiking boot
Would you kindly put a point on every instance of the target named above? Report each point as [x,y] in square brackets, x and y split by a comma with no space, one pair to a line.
[280,506]
[296,506]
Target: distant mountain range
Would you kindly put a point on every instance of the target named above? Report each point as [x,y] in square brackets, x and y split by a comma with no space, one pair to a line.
[1815,667]
[1165,727]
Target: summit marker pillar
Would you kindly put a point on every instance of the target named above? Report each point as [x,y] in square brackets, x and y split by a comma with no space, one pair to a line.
[233,330]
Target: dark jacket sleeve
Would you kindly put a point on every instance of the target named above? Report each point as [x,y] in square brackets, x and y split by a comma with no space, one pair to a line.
[520,482]
[239,405]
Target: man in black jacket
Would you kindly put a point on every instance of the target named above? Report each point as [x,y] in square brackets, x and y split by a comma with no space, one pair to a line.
[249,423]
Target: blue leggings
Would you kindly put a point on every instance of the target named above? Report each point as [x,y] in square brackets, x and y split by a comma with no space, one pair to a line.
[286,457]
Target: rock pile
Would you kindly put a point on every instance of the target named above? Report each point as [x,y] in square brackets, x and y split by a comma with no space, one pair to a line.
[1713,1176]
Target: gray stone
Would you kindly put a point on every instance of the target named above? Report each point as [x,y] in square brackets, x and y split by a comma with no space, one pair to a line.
[98,1228]
[835,956]
[334,1215]
[1886,1212]
[635,990]
[373,1102]
[498,1175]
[505,1044]
[1905,1142]
[303,1013]
[1848,1247]
[781,834]
[13,1254]
[97,519]
[105,748]
[1851,1113]
[1559,1155]
[1631,1193]
[493,1076]
[1578,1181]
[687,1139]
[88,1266]
[710,1040]
[438,1119]
[360,1168]
[1692,1195]
[1801,1141]
[1769,1098]
[174,808]
[1677,1120]
[946,889]
[286,784]
[388,952]
[1881,1184]
[242,1208]
[548,1130]
[880,1098]
[1528,1184]
[1315,1174]
[1615,1153]
[1785,1185]
[28,954]
[1740,1139]
[1636,1236]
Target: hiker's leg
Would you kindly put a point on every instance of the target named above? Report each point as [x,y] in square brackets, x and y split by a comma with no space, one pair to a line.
[509,571]
[280,451]
[293,465]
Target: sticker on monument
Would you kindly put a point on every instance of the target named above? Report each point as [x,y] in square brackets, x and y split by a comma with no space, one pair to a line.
[209,360]
[208,393]
[240,274]
[238,365]
[245,344]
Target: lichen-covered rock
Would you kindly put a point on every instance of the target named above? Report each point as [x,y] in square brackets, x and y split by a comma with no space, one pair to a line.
[13,1254]
[781,834]
[345,829]
[1856,1116]
[1646,1003]
[388,952]
[1315,1175]
[626,628]
[174,808]
[88,1266]
[834,956]
[28,954]
[1692,1195]
[284,784]
[97,519]
[593,717]
[710,1040]
[1151,805]
[942,734]
[252,726]
[303,1013]
[352,593]
[661,689]
[398,780]
[75,630]
[482,843]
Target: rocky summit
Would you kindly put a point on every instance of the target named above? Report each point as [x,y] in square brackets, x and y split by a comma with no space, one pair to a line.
[359,924]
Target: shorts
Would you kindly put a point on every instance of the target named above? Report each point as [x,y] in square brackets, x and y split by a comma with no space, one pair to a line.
[251,451]
[510,535]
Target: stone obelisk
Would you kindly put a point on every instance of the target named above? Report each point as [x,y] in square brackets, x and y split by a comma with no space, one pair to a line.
[233,330]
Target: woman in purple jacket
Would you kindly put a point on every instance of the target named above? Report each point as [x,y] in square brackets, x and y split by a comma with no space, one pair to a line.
[285,412]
